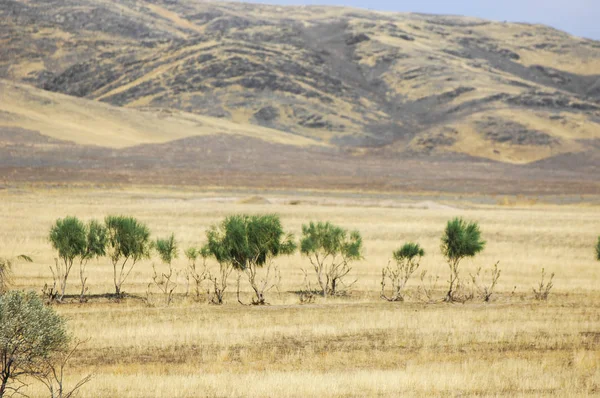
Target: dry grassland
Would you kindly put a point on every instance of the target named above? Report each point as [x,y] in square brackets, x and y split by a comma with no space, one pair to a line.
[352,346]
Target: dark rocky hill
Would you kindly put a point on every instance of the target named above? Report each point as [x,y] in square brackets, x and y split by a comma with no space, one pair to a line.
[372,83]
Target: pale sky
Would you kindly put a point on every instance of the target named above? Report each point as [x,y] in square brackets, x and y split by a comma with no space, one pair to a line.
[578,17]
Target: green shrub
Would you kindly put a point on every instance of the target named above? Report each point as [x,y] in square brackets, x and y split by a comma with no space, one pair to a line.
[331,250]
[30,334]
[128,242]
[248,243]
[460,240]
[166,282]
[96,241]
[167,249]
[68,238]
[407,261]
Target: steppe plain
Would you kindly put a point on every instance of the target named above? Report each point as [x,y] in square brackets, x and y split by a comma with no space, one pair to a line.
[180,113]
[356,345]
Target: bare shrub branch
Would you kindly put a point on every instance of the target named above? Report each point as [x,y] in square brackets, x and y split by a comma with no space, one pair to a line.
[53,370]
[165,282]
[307,294]
[543,288]
[407,261]
[486,289]
[196,274]
[427,287]
[6,265]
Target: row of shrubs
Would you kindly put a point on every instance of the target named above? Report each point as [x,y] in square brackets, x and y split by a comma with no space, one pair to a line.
[34,342]
[249,245]
[246,244]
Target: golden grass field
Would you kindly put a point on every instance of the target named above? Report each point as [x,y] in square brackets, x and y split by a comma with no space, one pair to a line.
[356,345]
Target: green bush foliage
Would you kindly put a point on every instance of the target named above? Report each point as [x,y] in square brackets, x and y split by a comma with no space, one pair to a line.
[96,241]
[407,261]
[330,250]
[250,242]
[167,249]
[409,252]
[128,242]
[68,237]
[461,239]
[30,334]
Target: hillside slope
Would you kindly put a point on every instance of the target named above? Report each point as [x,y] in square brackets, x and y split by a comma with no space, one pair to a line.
[87,122]
[402,83]
[53,138]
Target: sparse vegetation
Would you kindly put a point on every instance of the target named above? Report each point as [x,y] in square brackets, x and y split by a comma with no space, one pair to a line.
[164,110]
[166,281]
[193,273]
[460,240]
[407,261]
[353,343]
[128,242]
[542,291]
[306,294]
[485,288]
[331,251]
[427,287]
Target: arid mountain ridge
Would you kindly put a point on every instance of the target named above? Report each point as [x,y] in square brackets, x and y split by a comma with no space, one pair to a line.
[344,81]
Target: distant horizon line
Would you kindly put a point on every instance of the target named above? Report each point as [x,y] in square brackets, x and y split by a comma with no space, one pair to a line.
[489,19]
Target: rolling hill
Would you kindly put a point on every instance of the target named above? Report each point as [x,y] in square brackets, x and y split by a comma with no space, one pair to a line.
[88,122]
[353,86]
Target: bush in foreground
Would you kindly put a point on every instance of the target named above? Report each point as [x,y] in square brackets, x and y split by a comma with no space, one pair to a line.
[30,334]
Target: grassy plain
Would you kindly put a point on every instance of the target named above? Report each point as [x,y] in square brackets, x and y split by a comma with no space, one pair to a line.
[356,345]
